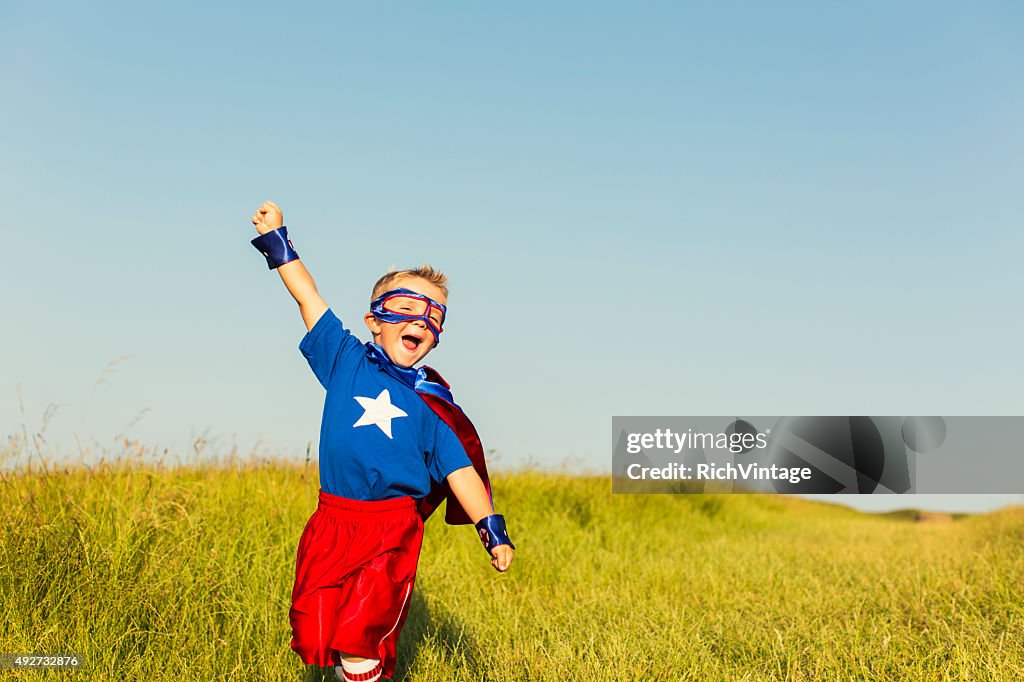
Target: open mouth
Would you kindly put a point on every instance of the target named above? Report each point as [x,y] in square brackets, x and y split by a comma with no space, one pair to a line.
[410,342]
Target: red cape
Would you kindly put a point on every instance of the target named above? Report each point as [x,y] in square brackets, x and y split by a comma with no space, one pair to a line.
[452,415]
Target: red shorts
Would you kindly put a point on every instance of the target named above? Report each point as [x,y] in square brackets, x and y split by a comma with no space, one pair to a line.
[353,579]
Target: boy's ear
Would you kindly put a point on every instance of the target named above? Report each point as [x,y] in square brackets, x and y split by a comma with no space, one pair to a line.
[371,323]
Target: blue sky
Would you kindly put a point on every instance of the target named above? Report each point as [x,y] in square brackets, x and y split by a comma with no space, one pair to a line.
[657,208]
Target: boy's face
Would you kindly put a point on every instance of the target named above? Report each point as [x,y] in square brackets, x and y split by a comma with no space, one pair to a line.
[406,343]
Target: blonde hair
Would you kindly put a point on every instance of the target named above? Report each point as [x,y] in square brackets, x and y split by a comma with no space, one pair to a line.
[387,282]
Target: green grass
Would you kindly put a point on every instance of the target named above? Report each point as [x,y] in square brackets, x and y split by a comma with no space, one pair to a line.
[185,574]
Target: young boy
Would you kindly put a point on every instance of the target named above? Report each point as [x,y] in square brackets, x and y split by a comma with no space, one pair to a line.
[392,445]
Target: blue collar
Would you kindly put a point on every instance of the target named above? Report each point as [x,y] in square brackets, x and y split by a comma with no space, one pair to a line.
[421,379]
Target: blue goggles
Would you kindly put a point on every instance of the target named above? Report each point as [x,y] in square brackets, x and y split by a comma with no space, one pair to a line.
[405,305]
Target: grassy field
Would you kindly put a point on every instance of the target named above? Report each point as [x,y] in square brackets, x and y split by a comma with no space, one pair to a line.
[185,574]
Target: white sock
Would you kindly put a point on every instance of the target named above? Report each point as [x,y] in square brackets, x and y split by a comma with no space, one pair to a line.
[364,671]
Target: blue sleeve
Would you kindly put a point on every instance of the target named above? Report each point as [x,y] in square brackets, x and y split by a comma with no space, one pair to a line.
[447,455]
[328,345]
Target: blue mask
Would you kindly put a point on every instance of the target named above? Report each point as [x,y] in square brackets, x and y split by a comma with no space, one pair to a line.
[405,305]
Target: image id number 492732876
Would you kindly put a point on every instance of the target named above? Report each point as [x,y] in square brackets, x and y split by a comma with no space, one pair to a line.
[16,661]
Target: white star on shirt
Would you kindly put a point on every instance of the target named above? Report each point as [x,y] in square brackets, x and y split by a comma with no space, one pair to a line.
[379,411]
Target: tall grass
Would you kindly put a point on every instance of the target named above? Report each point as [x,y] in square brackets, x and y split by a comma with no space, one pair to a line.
[184,573]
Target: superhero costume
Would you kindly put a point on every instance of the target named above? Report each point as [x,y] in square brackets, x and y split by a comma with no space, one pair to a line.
[357,557]
[389,437]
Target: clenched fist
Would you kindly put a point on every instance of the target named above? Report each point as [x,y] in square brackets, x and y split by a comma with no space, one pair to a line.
[501,557]
[267,217]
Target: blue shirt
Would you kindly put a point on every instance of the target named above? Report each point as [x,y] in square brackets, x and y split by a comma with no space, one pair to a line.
[378,438]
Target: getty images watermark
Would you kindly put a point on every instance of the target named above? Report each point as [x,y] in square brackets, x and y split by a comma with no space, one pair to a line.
[865,455]
[735,442]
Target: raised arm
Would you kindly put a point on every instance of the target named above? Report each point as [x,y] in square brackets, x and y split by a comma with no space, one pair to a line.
[294,274]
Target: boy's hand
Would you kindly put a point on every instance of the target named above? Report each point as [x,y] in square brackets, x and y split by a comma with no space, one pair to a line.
[268,217]
[501,557]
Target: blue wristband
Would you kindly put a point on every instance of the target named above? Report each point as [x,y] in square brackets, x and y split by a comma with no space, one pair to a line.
[276,246]
[492,532]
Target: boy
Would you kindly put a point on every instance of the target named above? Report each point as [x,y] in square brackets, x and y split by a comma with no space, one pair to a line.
[392,445]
